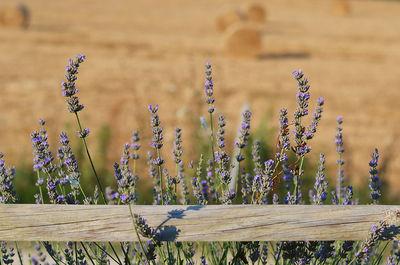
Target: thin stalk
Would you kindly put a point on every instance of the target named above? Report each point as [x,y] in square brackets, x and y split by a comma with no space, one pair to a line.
[90,159]
[179,255]
[237,179]
[40,187]
[339,180]
[19,253]
[76,254]
[378,260]
[54,258]
[279,255]
[212,137]
[127,261]
[115,253]
[296,186]
[137,234]
[105,251]
[80,187]
[87,253]
[161,179]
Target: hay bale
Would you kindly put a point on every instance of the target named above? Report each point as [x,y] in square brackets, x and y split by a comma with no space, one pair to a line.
[14,16]
[256,13]
[340,8]
[242,40]
[228,18]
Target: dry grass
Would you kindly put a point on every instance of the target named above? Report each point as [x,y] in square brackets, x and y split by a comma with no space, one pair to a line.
[157,56]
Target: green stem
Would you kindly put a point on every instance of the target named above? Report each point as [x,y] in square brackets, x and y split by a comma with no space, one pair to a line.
[127,261]
[87,253]
[40,187]
[160,176]
[296,186]
[137,234]
[80,187]
[90,159]
[237,180]
[115,253]
[76,254]
[339,180]
[378,260]
[212,137]
[19,253]
[108,254]
[56,260]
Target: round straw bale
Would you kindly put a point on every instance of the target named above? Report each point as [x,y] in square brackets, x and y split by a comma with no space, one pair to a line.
[228,18]
[256,13]
[242,40]
[340,8]
[14,16]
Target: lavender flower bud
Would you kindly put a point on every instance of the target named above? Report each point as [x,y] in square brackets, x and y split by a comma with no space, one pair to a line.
[84,133]
[221,132]
[177,151]
[340,162]
[69,161]
[135,145]
[374,183]
[209,88]
[321,185]
[68,87]
[42,155]
[156,129]
[312,128]
[348,196]
[303,97]
[7,192]
[196,183]
[244,130]
[284,140]
[378,232]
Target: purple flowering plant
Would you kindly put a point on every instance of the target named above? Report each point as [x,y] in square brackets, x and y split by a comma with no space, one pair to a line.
[218,177]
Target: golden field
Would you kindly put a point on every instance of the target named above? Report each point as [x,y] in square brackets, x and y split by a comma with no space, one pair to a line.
[153,52]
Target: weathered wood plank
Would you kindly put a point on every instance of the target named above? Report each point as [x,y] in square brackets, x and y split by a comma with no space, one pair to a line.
[190,223]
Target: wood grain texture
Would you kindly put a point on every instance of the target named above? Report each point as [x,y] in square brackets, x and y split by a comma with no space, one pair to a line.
[21,222]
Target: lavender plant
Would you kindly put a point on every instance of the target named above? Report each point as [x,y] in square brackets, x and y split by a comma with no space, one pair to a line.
[210,181]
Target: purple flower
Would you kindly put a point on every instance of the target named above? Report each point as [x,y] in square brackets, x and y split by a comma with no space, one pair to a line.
[177,151]
[284,141]
[198,186]
[221,132]
[340,162]
[125,179]
[69,161]
[42,160]
[374,183]
[317,114]
[68,88]
[244,134]
[321,185]
[377,233]
[7,192]
[135,145]
[84,133]
[209,88]
[156,129]
[300,132]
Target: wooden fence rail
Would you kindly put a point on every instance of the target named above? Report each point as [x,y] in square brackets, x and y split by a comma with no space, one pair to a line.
[111,223]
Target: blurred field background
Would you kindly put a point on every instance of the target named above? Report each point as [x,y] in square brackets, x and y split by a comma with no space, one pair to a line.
[153,52]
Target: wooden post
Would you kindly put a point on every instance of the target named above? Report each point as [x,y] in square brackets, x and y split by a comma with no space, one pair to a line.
[112,223]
